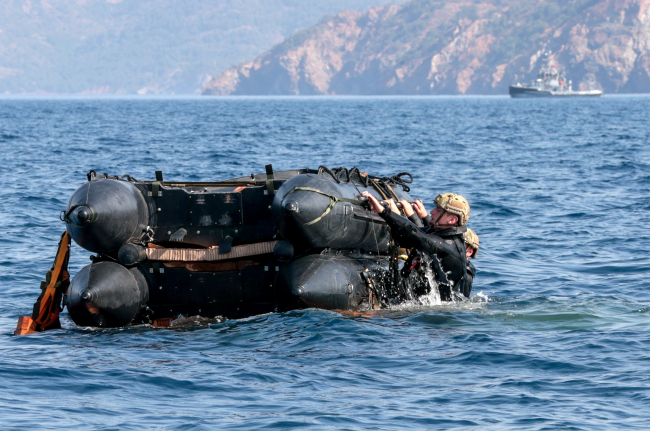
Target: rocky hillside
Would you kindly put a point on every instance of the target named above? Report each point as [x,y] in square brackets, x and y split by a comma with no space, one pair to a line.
[142,46]
[455,47]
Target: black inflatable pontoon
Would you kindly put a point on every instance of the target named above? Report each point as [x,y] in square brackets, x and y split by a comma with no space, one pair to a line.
[235,248]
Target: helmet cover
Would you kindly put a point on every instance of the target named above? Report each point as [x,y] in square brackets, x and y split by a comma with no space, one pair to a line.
[454,204]
[471,239]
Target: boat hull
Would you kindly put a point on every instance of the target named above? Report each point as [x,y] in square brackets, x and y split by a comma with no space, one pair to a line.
[106,213]
[532,92]
[233,248]
[107,294]
[306,215]
[328,280]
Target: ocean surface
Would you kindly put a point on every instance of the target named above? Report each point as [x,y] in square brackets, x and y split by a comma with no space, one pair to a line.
[556,335]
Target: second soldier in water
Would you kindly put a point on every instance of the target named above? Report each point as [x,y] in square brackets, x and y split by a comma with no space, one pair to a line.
[444,239]
[471,250]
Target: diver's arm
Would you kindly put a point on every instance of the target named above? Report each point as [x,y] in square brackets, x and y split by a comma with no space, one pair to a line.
[410,213]
[421,212]
[408,235]
[469,279]
[416,220]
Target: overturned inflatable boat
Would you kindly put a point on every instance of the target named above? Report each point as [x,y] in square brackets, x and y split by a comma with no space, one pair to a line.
[234,248]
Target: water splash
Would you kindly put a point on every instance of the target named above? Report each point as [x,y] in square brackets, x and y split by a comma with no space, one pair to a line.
[432,297]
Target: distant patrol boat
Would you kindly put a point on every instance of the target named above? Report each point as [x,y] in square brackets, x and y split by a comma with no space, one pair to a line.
[550,83]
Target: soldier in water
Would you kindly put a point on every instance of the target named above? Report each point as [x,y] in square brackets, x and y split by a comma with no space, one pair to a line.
[471,250]
[417,213]
[444,239]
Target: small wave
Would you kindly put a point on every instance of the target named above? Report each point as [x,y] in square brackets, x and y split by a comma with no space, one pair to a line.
[623,166]
[105,140]
[579,215]
[504,212]
[624,267]
[432,302]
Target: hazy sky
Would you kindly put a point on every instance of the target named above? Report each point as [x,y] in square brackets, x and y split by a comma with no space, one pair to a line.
[145,46]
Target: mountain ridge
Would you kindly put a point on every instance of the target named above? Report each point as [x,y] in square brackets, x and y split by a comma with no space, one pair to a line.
[454,47]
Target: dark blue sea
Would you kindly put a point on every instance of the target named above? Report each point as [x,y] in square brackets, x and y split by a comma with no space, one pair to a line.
[556,335]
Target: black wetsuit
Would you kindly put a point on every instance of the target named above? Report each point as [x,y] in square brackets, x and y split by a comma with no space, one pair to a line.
[471,269]
[447,244]
[417,221]
[469,278]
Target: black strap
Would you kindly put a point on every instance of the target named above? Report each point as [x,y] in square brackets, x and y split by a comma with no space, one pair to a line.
[129,178]
[269,180]
[325,169]
[397,180]
[362,178]
[155,186]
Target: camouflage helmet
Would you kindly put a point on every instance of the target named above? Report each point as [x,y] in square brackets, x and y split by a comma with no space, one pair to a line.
[454,204]
[471,239]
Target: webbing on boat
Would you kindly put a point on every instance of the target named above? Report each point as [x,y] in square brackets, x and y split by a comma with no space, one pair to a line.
[208,254]
[333,200]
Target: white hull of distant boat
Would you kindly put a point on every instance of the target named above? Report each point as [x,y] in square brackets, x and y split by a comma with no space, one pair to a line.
[522,91]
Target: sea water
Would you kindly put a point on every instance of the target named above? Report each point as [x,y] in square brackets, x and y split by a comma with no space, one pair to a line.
[556,336]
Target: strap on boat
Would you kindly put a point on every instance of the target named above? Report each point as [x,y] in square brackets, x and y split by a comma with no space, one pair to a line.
[155,186]
[161,254]
[385,193]
[392,192]
[333,201]
[375,183]
[270,188]
[45,314]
